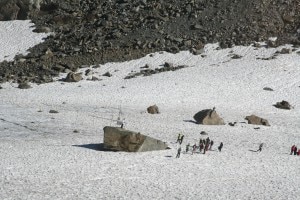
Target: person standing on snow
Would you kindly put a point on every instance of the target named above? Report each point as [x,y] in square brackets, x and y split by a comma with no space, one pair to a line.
[207,143]
[181,139]
[123,123]
[260,147]
[178,152]
[220,146]
[187,147]
[194,148]
[295,150]
[211,144]
[178,138]
[292,149]
[201,146]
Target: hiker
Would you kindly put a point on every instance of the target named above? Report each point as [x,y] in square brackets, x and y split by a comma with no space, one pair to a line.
[207,143]
[295,150]
[200,142]
[181,139]
[201,146]
[178,138]
[123,123]
[207,140]
[260,147]
[220,146]
[194,148]
[292,149]
[187,147]
[211,144]
[178,152]
[211,111]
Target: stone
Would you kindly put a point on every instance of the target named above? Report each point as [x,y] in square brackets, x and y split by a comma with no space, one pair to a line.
[153,109]
[72,77]
[268,89]
[53,111]
[283,105]
[208,117]
[108,74]
[119,139]
[203,133]
[24,85]
[253,119]
[286,51]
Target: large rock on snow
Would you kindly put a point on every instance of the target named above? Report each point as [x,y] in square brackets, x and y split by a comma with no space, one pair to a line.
[119,139]
[72,77]
[208,117]
[153,109]
[283,105]
[253,119]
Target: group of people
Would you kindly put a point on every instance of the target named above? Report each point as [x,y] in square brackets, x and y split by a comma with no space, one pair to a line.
[295,150]
[204,145]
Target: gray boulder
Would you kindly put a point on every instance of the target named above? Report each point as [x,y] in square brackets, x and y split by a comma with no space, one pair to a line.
[208,117]
[24,85]
[72,77]
[153,109]
[283,105]
[120,139]
[253,119]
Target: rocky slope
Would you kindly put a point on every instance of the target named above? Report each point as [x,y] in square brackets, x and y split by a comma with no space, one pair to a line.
[98,31]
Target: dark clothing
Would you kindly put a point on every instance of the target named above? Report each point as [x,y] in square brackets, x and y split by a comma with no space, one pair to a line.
[295,151]
[292,149]
[201,146]
[181,139]
[211,144]
[178,138]
[206,147]
[178,152]
[187,147]
[260,147]
[220,146]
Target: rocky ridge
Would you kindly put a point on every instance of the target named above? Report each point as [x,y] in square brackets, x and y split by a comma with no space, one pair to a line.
[86,32]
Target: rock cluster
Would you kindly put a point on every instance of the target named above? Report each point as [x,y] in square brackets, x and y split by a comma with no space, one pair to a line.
[95,31]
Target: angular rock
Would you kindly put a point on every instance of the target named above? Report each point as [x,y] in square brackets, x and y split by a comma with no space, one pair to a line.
[283,105]
[268,89]
[153,109]
[72,77]
[119,139]
[108,74]
[24,85]
[53,111]
[208,117]
[253,119]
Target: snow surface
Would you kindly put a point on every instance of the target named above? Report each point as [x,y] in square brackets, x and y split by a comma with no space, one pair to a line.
[43,158]
[16,37]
